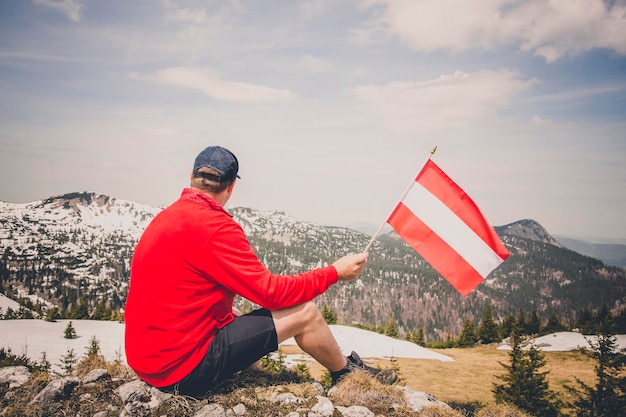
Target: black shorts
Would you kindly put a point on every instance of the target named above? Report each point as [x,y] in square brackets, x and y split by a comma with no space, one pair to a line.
[235,347]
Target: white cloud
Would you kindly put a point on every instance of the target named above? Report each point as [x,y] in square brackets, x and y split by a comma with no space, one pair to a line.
[539,121]
[314,64]
[210,83]
[548,28]
[71,8]
[312,8]
[451,99]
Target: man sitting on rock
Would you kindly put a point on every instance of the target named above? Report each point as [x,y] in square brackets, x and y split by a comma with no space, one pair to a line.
[191,261]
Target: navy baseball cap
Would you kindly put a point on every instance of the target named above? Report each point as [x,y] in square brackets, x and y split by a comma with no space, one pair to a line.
[221,160]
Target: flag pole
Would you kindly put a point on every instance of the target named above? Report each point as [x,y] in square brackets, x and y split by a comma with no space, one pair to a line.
[432,152]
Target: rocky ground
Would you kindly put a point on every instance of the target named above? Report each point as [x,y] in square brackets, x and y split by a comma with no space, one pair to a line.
[100,394]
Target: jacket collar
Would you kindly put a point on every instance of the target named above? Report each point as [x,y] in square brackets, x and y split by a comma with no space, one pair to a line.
[198,197]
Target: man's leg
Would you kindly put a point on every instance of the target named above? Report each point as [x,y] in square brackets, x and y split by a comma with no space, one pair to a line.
[307,326]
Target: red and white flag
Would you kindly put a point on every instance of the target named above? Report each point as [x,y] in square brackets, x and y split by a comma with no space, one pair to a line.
[440,221]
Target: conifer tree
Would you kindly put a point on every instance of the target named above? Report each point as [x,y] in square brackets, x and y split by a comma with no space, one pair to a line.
[418,338]
[468,336]
[70,332]
[533,327]
[390,327]
[52,315]
[488,331]
[507,325]
[68,361]
[608,397]
[93,350]
[524,385]
[330,316]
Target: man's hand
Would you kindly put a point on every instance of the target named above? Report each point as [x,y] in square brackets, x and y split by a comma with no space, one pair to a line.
[350,266]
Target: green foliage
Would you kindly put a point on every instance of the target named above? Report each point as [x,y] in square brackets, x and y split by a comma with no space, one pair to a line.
[93,350]
[468,337]
[44,364]
[302,371]
[330,316]
[488,331]
[523,385]
[391,329]
[416,337]
[68,362]
[52,314]
[271,365]
[70,332]
[8,358]
[608,397]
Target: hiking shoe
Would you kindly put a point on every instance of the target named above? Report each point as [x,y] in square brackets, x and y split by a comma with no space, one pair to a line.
[384,376]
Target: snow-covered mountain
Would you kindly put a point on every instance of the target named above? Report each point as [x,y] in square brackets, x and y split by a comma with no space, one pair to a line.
[73,252]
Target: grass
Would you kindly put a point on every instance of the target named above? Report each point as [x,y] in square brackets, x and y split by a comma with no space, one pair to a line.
[473,373]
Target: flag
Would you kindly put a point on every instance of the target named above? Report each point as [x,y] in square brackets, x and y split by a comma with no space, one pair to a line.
[440,221]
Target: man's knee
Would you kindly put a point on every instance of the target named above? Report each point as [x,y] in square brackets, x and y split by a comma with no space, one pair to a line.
[294,320]
[311,313]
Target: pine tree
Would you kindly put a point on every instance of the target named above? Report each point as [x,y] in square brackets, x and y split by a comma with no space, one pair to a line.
[418,337]
[608,397]
[68,361]
[507,326]
[330,316]
[524,385]
[533,327]
[93,350]
[468,336]
[52,315]
[44,364]
[70,332]
[390,327]
[488,332]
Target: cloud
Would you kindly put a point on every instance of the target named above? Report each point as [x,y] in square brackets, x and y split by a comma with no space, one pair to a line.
[451,99]
[314,64]
[550,29]
[210,83]
[71,8]
[539,121]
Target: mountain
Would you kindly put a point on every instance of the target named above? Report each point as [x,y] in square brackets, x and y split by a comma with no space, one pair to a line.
[73,253]
[609,253]
[527,229]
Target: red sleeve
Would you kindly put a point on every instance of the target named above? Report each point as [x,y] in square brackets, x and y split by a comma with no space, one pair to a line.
[234,265]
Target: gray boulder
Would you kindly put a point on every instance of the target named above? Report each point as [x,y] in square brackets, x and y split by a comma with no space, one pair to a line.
[15,376]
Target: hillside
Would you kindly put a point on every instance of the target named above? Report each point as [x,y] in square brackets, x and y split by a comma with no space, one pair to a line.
[73,253]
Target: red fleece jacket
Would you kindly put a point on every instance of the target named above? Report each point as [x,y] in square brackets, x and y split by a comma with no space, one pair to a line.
[189,264]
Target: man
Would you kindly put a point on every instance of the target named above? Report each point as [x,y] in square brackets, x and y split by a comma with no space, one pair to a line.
[191,261]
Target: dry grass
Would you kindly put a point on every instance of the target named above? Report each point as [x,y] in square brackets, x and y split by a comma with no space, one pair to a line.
[470,378]
[359,388]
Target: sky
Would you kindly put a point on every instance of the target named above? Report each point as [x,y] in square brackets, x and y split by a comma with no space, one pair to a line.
[331,106]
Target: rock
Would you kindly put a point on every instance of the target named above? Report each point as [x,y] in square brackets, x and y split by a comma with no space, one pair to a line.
[324,407]
[355,411]
[96,375]
[417,400]
[238,410]
[286,398]
[15,376]
[211,410]
[57,390]
[140,398]
[136,390]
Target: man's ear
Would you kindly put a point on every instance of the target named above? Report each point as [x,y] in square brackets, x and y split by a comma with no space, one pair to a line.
[231,186]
